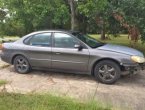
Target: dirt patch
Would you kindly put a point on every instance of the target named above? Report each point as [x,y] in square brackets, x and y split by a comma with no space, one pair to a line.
[128,92]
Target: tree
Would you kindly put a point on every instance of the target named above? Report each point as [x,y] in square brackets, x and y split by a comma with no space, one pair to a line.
[73,6]
[133,15]
[95,16]
[132,12]
[2,14]
[2,17]
[97,12]
[35,15]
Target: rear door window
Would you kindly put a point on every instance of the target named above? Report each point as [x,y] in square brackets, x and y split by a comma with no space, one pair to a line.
[42,40]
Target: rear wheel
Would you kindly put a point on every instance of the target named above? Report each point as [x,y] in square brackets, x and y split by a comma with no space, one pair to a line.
[21,65]
[107,72]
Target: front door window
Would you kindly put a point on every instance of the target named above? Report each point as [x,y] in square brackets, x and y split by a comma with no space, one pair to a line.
[62,40]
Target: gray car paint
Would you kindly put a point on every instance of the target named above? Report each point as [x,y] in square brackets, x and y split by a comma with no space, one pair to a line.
[121,49]
[68,59]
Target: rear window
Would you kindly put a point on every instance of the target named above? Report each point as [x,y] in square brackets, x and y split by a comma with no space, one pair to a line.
[43,40]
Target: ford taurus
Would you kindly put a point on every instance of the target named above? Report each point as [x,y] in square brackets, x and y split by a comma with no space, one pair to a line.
[72,52]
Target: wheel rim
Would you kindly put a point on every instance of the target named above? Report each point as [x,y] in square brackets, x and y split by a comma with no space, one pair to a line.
[107,73]
[21,64]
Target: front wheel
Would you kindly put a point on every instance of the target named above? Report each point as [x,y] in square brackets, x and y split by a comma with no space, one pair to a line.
[107,72]
[21,65]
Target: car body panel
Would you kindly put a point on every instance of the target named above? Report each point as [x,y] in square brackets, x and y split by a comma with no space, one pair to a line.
[98,55]
[70,59]
[121,49]
[39,56]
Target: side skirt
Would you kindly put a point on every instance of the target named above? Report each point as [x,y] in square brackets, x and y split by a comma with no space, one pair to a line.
[60,71]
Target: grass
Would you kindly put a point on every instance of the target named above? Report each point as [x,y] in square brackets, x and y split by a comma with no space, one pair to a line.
[45,102]
[122,40]
[16,101]
[3,82]
[8,38]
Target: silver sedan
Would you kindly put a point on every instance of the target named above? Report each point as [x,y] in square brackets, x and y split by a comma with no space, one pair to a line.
[72,52]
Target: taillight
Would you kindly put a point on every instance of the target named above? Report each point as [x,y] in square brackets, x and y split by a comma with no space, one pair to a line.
[2,47]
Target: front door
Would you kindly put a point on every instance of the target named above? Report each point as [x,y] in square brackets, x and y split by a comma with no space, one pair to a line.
[65,56]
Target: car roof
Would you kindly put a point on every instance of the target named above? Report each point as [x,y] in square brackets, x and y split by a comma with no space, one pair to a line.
[45,31]
[67,31]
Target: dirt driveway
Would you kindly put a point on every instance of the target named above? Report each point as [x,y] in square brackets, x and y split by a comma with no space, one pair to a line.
[128,92]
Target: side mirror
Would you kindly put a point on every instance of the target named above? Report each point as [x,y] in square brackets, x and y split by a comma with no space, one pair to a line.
[79,47]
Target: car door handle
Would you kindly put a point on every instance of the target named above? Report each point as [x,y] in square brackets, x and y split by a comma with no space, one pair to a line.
[57,53]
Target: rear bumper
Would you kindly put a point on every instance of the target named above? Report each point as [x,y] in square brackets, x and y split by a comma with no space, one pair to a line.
[133,69]
[6,58]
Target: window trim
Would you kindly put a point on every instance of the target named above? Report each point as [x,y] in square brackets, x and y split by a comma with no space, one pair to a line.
[31,36]
[53,40]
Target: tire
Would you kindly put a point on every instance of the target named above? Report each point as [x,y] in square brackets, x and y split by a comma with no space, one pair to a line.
[107,72]
[21,65]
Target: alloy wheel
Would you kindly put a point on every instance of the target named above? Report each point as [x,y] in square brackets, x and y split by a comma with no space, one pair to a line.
[107,72]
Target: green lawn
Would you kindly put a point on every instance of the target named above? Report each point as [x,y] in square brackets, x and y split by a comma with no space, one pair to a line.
[122,40]
[45,102]
[15,101]
[3,82]
[8,38]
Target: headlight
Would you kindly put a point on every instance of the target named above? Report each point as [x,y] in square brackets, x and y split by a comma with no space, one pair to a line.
[138,59]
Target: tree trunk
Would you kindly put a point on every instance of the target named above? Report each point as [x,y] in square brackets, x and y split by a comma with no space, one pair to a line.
[73,15]
[103,37]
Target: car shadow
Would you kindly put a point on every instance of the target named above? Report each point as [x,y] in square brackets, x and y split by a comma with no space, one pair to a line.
[71,76]
[132,80]
[128,80]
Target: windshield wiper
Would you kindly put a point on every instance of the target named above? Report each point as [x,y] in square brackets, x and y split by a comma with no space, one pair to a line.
[99,45]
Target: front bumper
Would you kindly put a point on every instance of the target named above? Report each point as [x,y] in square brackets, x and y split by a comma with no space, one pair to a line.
[133,69]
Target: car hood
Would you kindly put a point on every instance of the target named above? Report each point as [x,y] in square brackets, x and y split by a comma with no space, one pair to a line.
[121,49]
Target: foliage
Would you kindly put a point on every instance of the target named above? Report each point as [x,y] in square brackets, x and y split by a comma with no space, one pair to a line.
[87,15]
[133,12]
[100,12]
[94,16]
[34,15]
[2,14]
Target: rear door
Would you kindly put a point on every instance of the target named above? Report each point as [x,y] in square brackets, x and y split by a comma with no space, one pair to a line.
[65,56]
[39,49]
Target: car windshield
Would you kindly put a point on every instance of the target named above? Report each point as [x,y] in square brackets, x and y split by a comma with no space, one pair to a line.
[93,43]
